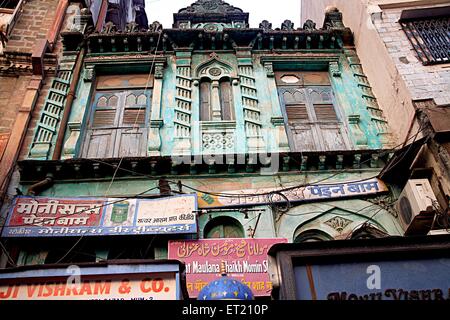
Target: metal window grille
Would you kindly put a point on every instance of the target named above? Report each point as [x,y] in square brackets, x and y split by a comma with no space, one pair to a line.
[430,37]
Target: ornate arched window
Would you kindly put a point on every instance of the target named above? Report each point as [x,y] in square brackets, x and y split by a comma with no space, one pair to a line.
[216,100]
[215,91]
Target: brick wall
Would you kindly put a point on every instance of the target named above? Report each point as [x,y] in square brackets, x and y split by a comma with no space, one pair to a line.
[34,23]
[35,117]
[12,91]
[423,82]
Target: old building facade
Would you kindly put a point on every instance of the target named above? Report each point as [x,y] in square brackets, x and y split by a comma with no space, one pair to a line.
[275,132]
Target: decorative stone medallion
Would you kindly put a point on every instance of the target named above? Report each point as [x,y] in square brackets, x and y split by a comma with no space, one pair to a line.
[210,5]
[215,72]
[210,27]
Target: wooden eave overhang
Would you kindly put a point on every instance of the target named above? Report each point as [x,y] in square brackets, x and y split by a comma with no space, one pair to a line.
[151,167]
[170,40]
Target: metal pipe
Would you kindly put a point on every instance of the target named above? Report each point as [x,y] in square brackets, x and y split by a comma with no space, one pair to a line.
[37,188]
[68,106]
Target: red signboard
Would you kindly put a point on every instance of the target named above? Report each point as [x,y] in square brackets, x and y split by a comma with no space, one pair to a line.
[245,259]
[56,212]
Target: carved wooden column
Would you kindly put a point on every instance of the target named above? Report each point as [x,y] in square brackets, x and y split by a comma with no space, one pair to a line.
[215,102]
[277,119]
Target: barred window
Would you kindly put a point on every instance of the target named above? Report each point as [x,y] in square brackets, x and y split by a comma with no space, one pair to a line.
[428,30]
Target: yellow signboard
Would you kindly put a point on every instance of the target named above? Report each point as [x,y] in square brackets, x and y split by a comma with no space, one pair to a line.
[298,194]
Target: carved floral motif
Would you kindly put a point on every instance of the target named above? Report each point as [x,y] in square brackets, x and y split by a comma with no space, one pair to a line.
[218,141]
[338,223]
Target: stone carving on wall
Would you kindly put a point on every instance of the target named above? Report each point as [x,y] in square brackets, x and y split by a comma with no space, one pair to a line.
[334,69]
[309,25]
[159,70]
[265,25]
[131,27]
[210,6]
[269,69]
[338,223]
[287,25]
[109,28]
[211,27]
[155,27]
[358,135]
[214,68]
[89,74]
[215,72]
[218,141]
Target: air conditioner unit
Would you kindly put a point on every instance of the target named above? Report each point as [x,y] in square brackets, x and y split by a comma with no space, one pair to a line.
[417,206]
[439,232]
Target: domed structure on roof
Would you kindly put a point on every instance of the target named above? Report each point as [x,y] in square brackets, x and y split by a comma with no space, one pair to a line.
[210,12]
[226,288]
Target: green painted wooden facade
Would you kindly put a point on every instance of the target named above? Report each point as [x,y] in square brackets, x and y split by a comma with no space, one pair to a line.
[180,146]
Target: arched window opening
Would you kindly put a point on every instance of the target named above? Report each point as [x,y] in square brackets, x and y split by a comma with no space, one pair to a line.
[311,236]
[223,227]
[216,100]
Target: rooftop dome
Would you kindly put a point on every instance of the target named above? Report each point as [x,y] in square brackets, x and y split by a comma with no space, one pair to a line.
[226,288]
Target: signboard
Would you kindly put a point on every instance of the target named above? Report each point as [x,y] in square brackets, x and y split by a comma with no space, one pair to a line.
[119,282]
[56,217]
[245,259]
[426,279]
[301,194]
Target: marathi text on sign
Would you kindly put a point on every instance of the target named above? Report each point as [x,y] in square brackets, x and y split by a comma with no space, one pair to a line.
[47,217]
[299,194]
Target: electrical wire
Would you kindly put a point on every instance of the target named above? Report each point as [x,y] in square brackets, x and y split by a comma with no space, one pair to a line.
[70,250]
[8,256]
[396,148]
[232,195]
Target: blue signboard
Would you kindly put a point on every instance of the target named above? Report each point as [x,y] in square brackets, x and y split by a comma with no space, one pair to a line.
[57,217]
[425,279]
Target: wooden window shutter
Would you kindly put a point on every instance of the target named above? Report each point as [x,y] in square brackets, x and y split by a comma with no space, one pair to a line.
[133,116]
[104,118]
[205,101]
[105,111]
[226,100]
[325,113]
[135,110]
[297,113]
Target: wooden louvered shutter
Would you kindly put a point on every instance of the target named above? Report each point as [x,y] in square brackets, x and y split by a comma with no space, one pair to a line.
[135,110]
[205,101]
[325,113]
[226,101]
[100,138]
[105,111]
[322,103]
[329,131]
[297,113]
[295,104]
